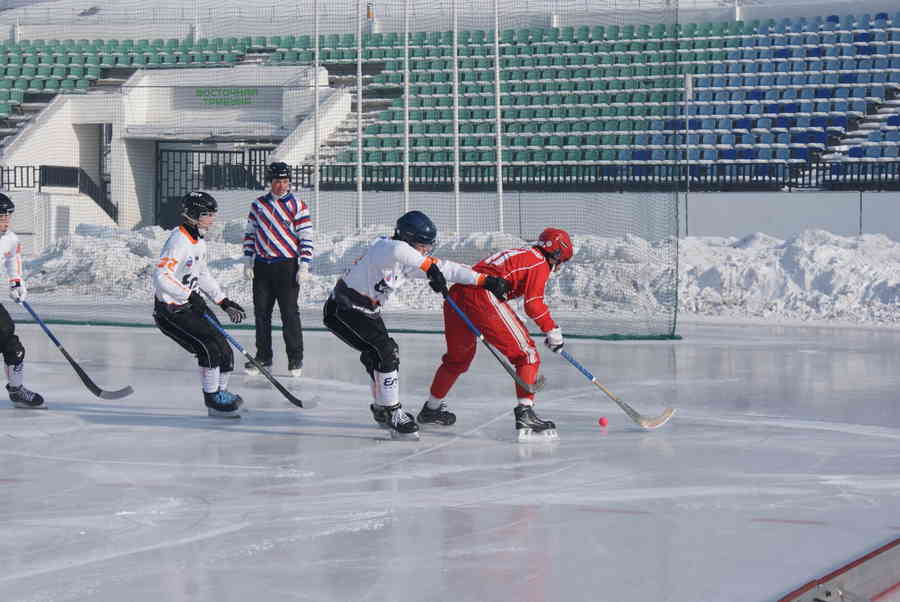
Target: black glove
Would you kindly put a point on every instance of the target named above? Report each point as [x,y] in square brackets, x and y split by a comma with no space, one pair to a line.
[498,286]
[198,305]
[235,312]
[436,279]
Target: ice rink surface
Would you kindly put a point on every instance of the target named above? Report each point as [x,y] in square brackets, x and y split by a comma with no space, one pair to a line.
[782,463]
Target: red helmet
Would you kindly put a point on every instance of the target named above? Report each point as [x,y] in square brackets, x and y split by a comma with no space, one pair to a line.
[556,244]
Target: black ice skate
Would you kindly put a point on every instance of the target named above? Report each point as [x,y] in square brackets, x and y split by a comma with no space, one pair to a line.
[441,415]
[223,404]
[251,369]
[531,428]
[25,398]
[295,367]
[400,423]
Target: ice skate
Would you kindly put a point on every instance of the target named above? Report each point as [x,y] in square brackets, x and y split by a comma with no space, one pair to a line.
[295,367]
[531,428]
[251,369]
[21,397]
[400,423]
[441,416]
[223,404]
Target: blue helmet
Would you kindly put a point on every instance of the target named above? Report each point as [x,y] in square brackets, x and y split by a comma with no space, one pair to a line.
[414,228]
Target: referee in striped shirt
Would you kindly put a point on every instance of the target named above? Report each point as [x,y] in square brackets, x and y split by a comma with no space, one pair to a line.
[277,253]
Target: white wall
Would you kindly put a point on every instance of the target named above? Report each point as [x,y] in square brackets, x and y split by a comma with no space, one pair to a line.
[782,214]
[57,214]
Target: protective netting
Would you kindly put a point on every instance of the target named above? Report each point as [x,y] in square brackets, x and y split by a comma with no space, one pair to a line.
[428,101]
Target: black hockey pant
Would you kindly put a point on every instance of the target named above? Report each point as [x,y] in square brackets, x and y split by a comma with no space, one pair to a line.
[277,281]
[10,346]
[366,333]
[191,330]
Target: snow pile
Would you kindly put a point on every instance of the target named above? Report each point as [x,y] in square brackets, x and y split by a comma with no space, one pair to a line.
[812,276]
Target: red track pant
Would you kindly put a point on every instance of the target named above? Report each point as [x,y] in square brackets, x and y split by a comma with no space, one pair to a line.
[500,326]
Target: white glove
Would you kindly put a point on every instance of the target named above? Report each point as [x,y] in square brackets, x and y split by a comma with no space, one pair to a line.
[248,268]
[554,340]
[17,291]
[302,272]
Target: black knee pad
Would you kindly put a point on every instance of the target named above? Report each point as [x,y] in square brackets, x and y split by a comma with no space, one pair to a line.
[385,358]
[13,351]
[223,355]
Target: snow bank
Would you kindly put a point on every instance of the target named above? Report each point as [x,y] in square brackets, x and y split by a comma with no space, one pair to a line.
[812,276]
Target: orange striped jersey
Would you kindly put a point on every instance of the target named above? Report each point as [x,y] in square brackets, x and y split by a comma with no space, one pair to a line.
[12,255]
[182,268]
[388,263]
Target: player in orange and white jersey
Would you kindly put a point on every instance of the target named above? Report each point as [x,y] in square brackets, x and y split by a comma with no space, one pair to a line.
[353,311]
[10,345]
[179,310]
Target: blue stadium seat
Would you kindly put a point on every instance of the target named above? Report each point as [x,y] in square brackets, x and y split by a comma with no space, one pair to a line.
[891,153]
[729,154]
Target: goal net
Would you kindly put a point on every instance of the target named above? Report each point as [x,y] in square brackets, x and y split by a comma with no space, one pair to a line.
[496,119]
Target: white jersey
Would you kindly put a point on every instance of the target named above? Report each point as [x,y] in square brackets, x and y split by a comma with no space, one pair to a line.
[12,255]
[182,269]
[389,263]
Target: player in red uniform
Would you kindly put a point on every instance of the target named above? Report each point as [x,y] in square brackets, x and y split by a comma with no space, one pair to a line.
[527,269]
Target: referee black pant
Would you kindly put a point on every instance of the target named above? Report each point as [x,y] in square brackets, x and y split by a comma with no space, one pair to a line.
[277,281]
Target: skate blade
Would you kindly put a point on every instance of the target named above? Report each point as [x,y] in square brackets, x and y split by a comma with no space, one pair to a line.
[436,423]
[404,436]
[25,406]
[251,372]
[531,436]
[296,373]
[220,414]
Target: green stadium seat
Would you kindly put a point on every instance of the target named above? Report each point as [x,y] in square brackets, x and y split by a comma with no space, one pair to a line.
[35,86]
[5,110]
[92,73]
[51,86]
[29,71]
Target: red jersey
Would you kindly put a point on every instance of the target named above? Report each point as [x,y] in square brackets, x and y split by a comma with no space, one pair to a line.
[527,271]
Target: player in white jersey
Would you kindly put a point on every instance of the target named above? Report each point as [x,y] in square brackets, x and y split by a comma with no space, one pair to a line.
[10,346]
[179,310]
[353,311]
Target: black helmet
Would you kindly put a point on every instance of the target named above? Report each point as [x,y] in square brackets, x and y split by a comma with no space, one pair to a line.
[6,205]
[196,204]
[415,227]
[278,170]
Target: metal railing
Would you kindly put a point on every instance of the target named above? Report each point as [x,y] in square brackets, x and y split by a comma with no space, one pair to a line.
[18,177]
[628,177]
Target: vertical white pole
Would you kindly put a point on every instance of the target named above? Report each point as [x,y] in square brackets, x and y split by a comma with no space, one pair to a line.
[406,174]
[359,117]
[688,97]
[456,170]
[316,123]
[498,122]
